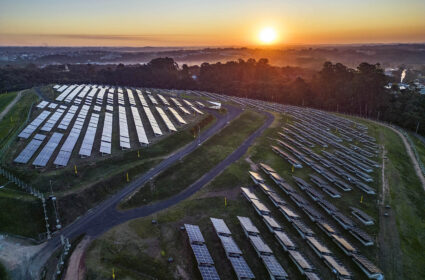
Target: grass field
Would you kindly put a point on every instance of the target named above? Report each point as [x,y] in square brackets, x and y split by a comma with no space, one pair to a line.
[14,119]
[420,146]
[182,174]
[6,98]
[406,199]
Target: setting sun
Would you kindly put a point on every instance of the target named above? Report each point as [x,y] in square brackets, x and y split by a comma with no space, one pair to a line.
[267,35]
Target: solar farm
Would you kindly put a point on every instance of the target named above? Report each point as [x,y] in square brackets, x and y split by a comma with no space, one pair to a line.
[302,200]
[88,121]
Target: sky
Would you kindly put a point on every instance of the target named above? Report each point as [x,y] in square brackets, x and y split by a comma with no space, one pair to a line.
[209,23]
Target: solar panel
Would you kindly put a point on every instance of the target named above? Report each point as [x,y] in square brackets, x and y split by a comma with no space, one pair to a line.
[259,245]
[177,116]
[100,97]
[124,135]
[229,245]
[61,88]
[202,254]
[142,98]
[84,92]
[178,104]
[47,151]
[30,149]
[184,110]
[141,134]
[71,96]
[194,234]
[51,122]
[220,226]
[196,110]
[166,120]
[121,98]
[30,128]
[241,268]
[42,104]
[153,100]
[90,96]
[68,146]
[188,102]
[163,100]
[274,267]
[65,93]
[247,225]
[87,145]
[209,273]
[200,104]
[131,97]
[110,99]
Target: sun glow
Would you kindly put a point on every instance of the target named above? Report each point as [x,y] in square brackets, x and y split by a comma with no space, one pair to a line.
[267,35]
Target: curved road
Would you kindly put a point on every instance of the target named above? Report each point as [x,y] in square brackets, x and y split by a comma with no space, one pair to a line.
[105,216]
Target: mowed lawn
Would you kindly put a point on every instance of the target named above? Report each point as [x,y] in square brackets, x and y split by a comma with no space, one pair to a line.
[182,174]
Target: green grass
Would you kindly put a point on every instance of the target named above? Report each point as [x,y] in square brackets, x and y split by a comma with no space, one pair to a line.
[3,272]
[420,146]
[406,199]
[6,98]
[191,168]
[15,118]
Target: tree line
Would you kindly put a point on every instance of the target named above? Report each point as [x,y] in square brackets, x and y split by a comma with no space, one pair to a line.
[336,87]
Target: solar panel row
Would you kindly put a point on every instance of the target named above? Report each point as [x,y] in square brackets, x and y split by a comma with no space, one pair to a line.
[166,120]
[105,144]
[124,135]
[87,145]
[47,151]
[51,122]
[68,117]
[30,149]
[68,146]
[141,134]
[30,128]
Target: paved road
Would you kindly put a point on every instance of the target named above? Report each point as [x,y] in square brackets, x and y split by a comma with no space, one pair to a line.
[105,215]
[10,105]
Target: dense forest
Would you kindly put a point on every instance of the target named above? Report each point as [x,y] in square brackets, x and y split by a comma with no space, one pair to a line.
[335,87]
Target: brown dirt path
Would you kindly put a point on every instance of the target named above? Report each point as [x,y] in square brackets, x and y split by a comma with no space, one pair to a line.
[76,267]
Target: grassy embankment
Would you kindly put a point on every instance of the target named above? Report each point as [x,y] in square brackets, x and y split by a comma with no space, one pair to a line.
[24,216]
[184,173]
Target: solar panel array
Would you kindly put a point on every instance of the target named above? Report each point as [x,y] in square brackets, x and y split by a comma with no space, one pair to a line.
[200,250]
[68,117]
[81,98]
[47,151]
[141,134]
[264,252]
[166,120]
[142,98]
[153,100]
[73,93]
[42,104]
[87,145]
[51,122]
[124,135]
[233,253]
[100,97]
[175,101]
[152,121]
[30,128]
[30,149]
[177,116]
[105,143]
[131,97]
[68,146]
[163,100]
[90,96]
[64,94]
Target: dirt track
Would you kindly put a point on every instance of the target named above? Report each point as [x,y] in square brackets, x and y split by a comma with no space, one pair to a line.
[409,152]
[76,267]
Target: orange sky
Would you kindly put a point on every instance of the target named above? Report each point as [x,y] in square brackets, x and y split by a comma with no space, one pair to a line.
[208,23]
